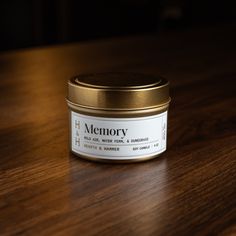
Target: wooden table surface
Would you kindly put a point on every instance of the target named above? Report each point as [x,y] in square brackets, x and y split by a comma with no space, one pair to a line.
[189,190]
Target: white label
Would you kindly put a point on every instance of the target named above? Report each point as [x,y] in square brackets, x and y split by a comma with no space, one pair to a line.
[118,138]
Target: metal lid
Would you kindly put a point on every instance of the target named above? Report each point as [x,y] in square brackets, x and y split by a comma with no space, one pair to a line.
[118,91]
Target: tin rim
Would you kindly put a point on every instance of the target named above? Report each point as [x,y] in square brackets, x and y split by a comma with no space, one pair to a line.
[118,91]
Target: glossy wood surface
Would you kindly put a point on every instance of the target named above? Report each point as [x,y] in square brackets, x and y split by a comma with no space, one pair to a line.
[189,190]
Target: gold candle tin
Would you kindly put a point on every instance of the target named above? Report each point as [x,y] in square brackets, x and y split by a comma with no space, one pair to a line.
[118,117]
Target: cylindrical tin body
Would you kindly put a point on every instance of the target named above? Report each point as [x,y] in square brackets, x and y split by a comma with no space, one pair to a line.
[118,117]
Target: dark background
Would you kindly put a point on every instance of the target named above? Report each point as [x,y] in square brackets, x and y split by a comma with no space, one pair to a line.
[27,23]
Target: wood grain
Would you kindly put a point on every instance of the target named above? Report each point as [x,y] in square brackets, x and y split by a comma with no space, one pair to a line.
[189,190]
